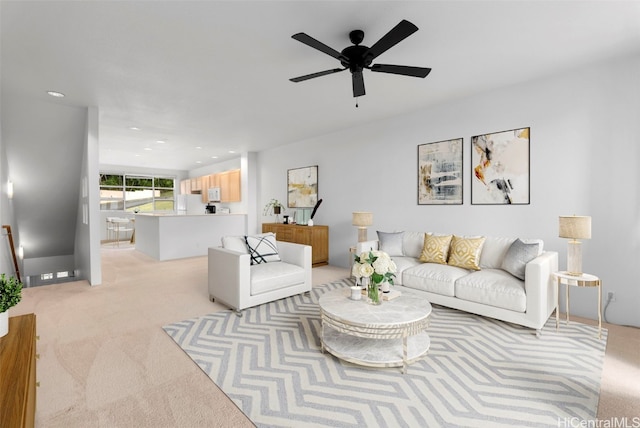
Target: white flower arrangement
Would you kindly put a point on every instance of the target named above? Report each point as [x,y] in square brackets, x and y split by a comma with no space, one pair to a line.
[376,265]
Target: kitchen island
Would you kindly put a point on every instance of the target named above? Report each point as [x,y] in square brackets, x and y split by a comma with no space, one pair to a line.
[176,236]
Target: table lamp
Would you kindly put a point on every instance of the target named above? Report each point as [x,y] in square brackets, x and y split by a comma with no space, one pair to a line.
[361,220]
[575,228]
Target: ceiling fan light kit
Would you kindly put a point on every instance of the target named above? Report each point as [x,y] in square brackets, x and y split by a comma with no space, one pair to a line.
[358,57]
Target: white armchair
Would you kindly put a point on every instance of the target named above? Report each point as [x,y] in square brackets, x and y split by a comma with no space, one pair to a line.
[235,282]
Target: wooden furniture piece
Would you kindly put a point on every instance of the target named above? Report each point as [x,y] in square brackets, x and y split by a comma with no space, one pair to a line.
[582,280]
[315,236]
[18,368]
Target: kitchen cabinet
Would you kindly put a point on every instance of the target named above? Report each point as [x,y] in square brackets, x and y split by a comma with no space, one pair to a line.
[227,181]
[18,368]
[230,186]
[204,185]
[315,236]
[196,185]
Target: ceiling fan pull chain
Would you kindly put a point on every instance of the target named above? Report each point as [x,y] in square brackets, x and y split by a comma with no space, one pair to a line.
[356,102]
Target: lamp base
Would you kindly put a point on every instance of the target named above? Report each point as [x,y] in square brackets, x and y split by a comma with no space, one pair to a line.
[362,234]
[574,258]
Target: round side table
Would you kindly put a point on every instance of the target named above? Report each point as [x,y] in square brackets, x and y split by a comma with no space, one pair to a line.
[582,280]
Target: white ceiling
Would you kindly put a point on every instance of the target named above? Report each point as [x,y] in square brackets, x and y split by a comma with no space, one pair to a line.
[214,74]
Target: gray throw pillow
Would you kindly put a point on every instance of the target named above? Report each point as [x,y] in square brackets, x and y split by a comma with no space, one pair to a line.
[517,257]
[391,243]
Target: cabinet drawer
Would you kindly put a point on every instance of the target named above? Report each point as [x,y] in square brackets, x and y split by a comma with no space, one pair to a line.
[285,235]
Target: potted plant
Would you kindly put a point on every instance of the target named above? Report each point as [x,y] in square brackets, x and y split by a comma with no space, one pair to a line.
[273,207]
[10,295]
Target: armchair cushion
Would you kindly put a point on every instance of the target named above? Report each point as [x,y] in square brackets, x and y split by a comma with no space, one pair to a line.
[267,277]
[262,248]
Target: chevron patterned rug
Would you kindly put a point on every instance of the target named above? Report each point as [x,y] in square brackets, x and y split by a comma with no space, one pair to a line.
[479,372]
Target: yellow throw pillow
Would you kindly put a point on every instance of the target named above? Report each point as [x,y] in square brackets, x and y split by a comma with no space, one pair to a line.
[435,249]
[465,252]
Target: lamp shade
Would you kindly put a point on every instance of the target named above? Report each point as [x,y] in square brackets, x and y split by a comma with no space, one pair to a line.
[575,227]
[362,219]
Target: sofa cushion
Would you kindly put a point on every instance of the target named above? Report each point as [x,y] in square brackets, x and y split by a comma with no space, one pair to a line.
[495,249]
[267,277]
[435,249]
[412,243]
[262,248]
[391,243]
[465,252]
[433,277]
[493,252]
[493,287]
[402,264]
[517,257]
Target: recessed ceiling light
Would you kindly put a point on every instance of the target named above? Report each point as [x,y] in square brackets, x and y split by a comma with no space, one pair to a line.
[134,128]
[232,151]
[56,94]
[148,149]
[198,147]
[214,157]
[160,141]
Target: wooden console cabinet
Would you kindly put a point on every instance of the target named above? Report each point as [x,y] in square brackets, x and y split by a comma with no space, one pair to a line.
[18,368]
[315,236]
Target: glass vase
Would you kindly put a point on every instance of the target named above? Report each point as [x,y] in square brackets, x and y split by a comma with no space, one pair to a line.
[373,293]
[364,282]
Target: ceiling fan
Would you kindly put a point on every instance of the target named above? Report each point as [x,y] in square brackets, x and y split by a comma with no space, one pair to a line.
[358,57]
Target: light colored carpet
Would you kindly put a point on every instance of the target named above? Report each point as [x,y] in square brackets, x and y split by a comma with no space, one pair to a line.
[106,362]
[479,371]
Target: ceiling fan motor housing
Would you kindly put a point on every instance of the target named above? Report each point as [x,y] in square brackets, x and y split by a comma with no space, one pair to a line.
[358,58]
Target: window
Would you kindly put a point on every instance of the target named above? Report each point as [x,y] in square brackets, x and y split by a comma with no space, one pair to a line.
[136,193]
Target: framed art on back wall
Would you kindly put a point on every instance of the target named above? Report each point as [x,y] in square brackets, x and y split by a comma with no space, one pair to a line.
[440,173]
[500,168]
[302,187]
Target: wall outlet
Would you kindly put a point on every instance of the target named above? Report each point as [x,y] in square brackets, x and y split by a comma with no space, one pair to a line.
[611,296]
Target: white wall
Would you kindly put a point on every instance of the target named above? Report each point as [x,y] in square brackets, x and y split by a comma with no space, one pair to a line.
[584,157]
[87,238]
[6,215]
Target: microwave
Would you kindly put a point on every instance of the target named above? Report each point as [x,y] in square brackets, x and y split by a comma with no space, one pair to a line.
[213,194]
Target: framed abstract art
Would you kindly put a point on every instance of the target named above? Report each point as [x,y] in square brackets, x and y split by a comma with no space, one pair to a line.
[302,187]
[500,168]
[440,173]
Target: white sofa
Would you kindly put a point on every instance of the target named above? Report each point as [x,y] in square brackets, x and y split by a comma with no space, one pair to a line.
[235,282]
[489,291]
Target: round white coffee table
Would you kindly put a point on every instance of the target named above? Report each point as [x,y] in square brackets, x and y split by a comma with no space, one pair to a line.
[388,335]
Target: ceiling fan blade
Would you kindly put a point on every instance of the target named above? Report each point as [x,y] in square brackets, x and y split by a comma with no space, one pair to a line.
[318,74]
[310,41]
[397,34]
[404,70]
[358,84]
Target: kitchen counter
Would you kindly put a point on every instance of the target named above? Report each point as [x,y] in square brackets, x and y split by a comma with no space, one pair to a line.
[176,236]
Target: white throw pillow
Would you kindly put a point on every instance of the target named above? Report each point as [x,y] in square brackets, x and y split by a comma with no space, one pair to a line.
[262,248]
[235,243]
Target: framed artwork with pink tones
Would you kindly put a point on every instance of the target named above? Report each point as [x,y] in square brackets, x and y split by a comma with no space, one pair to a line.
[500,168]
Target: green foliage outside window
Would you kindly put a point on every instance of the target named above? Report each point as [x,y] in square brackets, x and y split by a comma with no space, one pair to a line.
[136,193]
